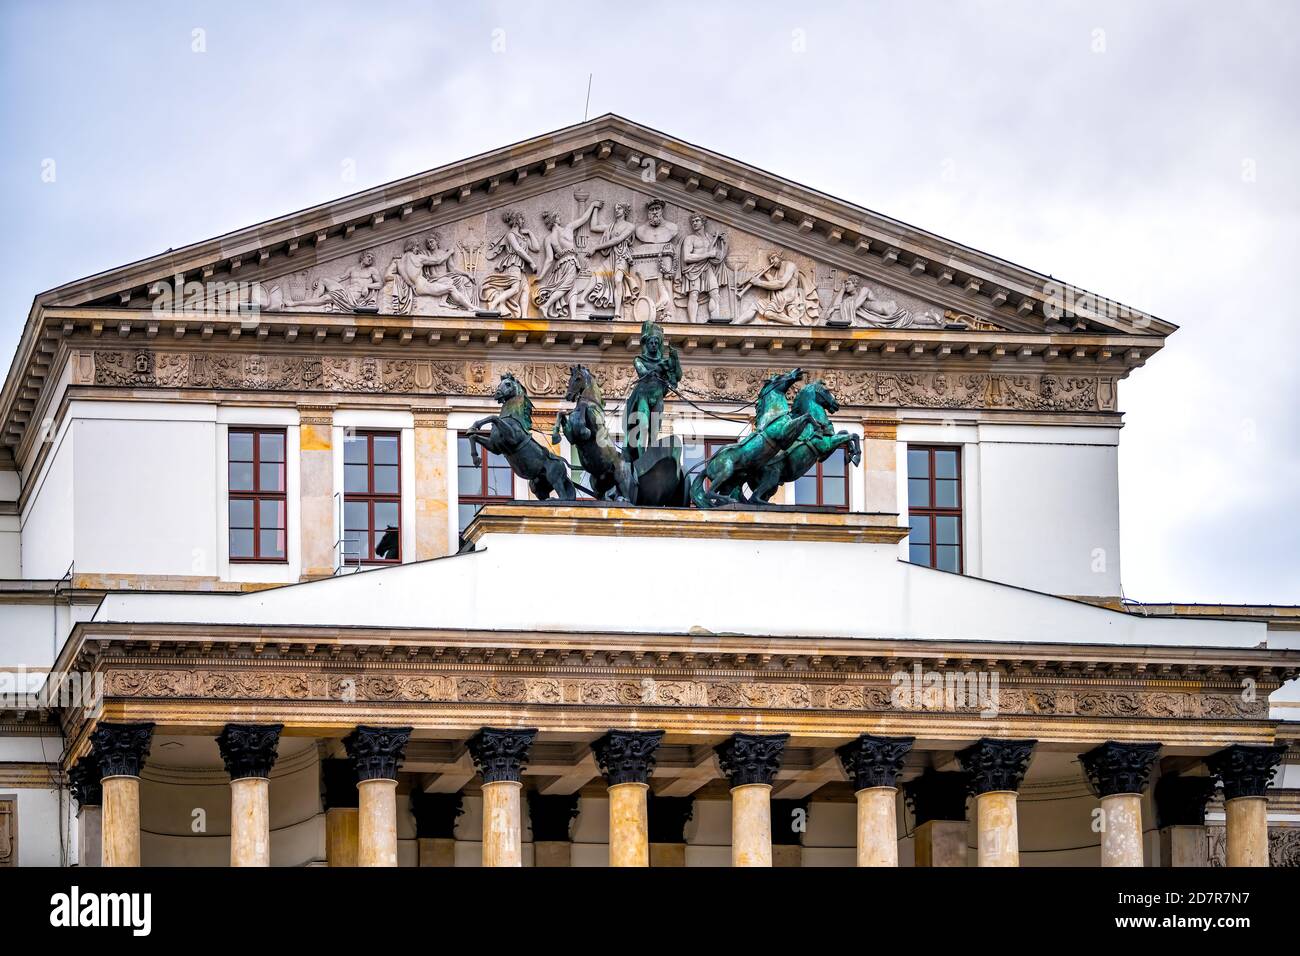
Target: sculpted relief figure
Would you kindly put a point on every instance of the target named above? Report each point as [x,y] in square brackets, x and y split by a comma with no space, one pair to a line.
[658,245]
[438,268]
[557,279]
[409,281]
[356,289]
[856,304]
[619,280]
[791,299]
[702,270]
[512,255]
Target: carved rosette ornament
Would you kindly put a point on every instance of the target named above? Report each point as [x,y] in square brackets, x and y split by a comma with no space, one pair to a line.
[751,758]
[249,750]
[875,761]
[84,778]
[501,754]
[121,749]
[937,796]
[1119,768]
[627,756]
[1180,801]
[435,814]
[377,752]
[1245,771]
[551,816]
[995,765]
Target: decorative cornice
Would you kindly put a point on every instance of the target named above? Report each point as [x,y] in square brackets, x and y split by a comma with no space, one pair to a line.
[84,778]
[751,758]
[501,755]
[552,816]
[249,750]
[1114,768]
[937,796]
[1245,771]
[875,761]
[435,814]
[121,749]
[627,756]
[1180,801]
[995,765]
[377,752]
[668,817]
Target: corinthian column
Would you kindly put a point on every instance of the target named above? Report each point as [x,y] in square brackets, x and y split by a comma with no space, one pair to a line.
[751,763]
[121,750]
[1180,814]
[873,765]
[500,756]
[996,769]
[627,758]
[1246,773]
[938,802]
[249,752]
[83,778]
[1118,773]
[376,753]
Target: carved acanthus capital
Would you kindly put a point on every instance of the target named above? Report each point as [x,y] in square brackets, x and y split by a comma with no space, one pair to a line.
[84,779]
[995,765]
[121,749]
[627,756]
[751,758]
[937,796]
[1245,771]
[501,754]
[249,750]
[1119,768]
[874,761]
[1180,801]
[377,752]
[435,814]
[551,816]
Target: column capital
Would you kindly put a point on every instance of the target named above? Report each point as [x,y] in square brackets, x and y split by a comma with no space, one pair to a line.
[668,817]
[995,764]
[84,777]
[751,758]
[499,754]
[874,761]
[1180,801]
[377,752]
[551,816]
[435,814]
[1114,768]
[249,750]
[627,756]
[121,749]
[1245,771]
[937,796]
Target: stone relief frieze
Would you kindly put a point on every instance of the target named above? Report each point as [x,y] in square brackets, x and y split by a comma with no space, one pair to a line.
[368,374]
[597,250]
[1283,846]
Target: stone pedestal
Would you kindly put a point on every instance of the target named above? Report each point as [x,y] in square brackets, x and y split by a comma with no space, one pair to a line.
[1247,831]
[90,836]
[1180,813]
[1184,846]
[667,854]
[436,851]
[787,855]
[552,853]
[941,843]
[435,826]
[502,840]
[377,822]
[341,836]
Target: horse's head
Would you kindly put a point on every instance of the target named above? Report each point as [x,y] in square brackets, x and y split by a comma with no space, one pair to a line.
[816,393]
[581,381]
[509,388]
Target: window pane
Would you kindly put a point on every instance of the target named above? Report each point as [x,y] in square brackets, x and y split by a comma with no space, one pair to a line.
[466,512]
[241,446]
[945,529]
[386,480]
[469,480]
[833,491]
[356,516]
[945,494]
[920,531]
[501,481]
[387,544]
[386,515]
[355,479]
[947,558]
[270,513]
[918,463]
[945,463]
[271,446]
[241,513]
[355,450]
[272,544]
[241,476]
[919,554]
[271,476]
[836,465]
[241,543]
[462,450]
[497,461]
[805,490]
[918,492]
[385,449]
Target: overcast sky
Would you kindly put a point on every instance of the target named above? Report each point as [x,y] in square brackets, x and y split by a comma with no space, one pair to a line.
[1147,151]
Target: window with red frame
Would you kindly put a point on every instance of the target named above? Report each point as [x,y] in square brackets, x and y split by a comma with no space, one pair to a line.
[934,507]
[477,485]
[372,497]
[256,483]
[827,484]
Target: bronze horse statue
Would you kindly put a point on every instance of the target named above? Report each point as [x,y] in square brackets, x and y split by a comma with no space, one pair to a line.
[510,436]
[816,443]
[609,472]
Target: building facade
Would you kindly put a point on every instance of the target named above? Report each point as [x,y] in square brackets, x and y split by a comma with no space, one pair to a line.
[263,603]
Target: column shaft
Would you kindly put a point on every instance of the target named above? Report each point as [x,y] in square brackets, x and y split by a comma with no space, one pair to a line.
[121,823]
[999,834]
[90,836]
[877,827]
[250,822]
[1121,838]
[1247,831]
[751,825]
[502,840]
[942,843]
[377,822]
[629,827]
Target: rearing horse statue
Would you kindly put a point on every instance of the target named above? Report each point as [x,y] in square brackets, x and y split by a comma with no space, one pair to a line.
[815,443]
[509,436]
[586,431]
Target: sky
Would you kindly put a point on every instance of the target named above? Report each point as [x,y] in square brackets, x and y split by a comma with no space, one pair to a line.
[1147,151]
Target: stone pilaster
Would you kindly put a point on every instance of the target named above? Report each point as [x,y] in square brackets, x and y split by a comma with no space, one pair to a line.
[627,758]
[1118,773]
[121,750]
[1246,773]
[668,817]
[551,818]
[938,802]
[249,752]
[339,798]
[880,465]
[751,762]
[376,753]
[432,490]
[317,510]
[1180,815]
[435,826]
[873,765]
[500,756]
[84,780]
[996,769]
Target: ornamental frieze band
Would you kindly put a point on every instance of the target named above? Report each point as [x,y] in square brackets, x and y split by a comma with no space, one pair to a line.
[1027,391]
